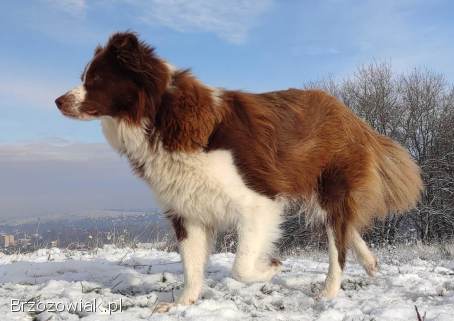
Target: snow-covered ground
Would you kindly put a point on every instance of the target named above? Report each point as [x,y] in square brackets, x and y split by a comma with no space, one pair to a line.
[143,276]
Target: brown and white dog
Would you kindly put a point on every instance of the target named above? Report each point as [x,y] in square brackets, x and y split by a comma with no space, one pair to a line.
[217,157]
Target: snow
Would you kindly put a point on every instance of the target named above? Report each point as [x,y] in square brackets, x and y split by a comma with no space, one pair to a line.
[142,276]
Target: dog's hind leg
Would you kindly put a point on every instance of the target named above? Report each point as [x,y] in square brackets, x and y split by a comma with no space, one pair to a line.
[362,252]
[336,264]
[338,237]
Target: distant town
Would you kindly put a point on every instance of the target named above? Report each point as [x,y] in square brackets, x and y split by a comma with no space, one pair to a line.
[83,232]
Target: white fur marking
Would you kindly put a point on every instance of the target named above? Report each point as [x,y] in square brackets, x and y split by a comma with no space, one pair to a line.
[171,69]
[334,277]
[363,254]
[78,94]
[258,229]
[86,71]
[216,94]
[77,97]
[194,251]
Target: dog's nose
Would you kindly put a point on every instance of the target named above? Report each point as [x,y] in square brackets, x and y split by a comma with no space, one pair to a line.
[59,101]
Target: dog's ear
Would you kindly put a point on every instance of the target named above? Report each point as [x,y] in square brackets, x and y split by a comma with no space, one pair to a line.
[124,41]
[126,49]
[139,60]
[98,49]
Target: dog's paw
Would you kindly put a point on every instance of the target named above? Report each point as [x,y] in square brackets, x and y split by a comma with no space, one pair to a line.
[274,268]
[187,299]
[327,293]
[262,273]
[371,267]
[275,262]
[330,289]
[163,307]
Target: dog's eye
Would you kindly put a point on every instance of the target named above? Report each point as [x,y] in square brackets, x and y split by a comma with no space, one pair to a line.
[93,81]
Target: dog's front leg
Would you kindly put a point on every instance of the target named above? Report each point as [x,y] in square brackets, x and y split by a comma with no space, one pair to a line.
[194,241]
[194,250]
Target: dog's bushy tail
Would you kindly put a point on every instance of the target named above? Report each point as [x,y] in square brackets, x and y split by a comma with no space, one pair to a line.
[400,176]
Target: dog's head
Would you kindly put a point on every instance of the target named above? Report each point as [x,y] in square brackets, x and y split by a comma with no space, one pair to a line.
[125,79]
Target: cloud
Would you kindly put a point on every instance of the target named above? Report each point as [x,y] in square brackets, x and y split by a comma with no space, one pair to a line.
[67,21]
[230,20]
[57,150]
[73,7]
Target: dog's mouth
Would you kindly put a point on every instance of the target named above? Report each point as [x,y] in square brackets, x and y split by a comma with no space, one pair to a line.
[90,115]
[68,114]
[79,116]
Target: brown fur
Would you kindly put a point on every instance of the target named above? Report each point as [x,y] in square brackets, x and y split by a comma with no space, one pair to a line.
[178,225]
[187,116]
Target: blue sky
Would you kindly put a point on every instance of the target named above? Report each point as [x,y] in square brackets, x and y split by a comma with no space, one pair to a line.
[255,45]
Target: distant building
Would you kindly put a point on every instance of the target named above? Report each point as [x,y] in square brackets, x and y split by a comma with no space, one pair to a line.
[24,242]
[7,240]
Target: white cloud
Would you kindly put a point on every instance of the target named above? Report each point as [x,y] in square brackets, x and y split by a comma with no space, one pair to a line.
[57,150]
[230,20]
[73,7]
